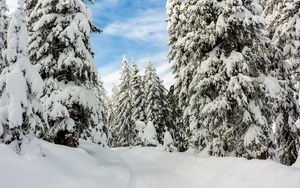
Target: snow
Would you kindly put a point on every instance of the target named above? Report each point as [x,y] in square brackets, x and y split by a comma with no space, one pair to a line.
[16,88]
[149,136]
[92,166]
[140,127]
[169,142]
[297,163]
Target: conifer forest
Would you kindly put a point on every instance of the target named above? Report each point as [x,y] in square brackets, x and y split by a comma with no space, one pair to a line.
[150,93]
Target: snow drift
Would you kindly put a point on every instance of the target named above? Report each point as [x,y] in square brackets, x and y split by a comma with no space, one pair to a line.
[91,166]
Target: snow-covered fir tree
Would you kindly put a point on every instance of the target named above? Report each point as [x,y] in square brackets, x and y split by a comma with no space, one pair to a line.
[137,94]
[179,132]
[3,33]
[179,56]
[169,144]
[188,22]
[98,134]
[149,136]
[287,35]
[284,109]
[123,131]
[156,101]
[60,47]
[112,115]
[104,102]
[283,20]
[138,99]
[21,87]
[223,43]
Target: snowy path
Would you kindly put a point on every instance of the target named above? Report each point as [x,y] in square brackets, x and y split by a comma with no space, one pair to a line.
[152,171]
[93,167]
[157,169]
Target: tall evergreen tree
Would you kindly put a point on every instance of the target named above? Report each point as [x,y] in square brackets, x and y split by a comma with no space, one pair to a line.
[176,128]
[98,133]
[138,95]
[3,33]
[287,35]
[60,47]
[112,115]
[179,55]
[283,29]
[138,101]
[156,101]
[123,131]
[21,87]
[223,42]
[284,109]
[190,26]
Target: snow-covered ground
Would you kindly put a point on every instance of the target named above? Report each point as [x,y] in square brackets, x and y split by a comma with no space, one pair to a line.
[92,167]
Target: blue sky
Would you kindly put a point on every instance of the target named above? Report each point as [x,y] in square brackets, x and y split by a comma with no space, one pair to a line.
[134,28]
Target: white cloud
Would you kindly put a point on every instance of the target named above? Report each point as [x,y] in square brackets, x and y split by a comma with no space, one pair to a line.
[147,26]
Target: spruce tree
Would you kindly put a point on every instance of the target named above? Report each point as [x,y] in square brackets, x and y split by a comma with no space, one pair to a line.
[138,95]
[176,128]
[60,47]
[21,88]
[112,115]
[282,28]
[287,36]
[227,110]
[123,130]
[169,144]
[156,101]
[283,109]
[98,134]
[138,100]
[178,55]
[149,136]
[3,33]
[190,26]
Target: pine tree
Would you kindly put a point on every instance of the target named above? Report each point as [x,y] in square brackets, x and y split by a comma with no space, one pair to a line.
[112,116]
[123,130]
[287,36]
[169,144]
[156,101]
[284,109]
[98,134]
[138,95]
[283,18]
[190,26]
[21,88]
[178,55]
[138,100]
[227,110]
[176,128]
[149,136]
[60,47]
[3,33]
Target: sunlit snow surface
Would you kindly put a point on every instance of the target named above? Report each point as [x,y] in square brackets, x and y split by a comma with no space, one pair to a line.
[93,167]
